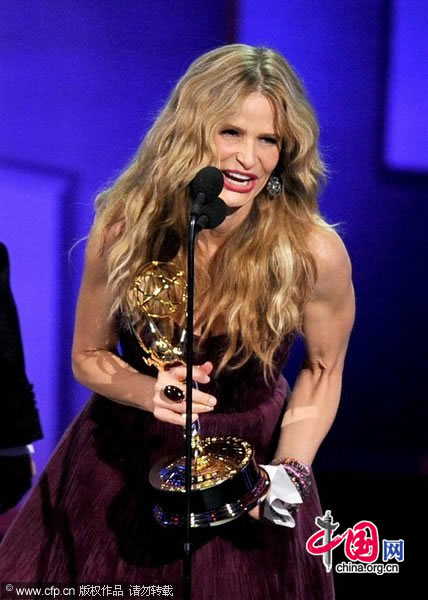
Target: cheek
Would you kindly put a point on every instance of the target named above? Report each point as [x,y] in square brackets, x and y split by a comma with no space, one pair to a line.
[222,150]
[271,160]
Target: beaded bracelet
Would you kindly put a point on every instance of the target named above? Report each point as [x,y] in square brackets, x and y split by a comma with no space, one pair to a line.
[299,473]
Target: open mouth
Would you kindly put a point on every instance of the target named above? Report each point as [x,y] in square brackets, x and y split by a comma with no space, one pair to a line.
[240,181]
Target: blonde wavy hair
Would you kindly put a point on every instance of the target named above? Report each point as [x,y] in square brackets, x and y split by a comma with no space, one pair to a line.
[259,281]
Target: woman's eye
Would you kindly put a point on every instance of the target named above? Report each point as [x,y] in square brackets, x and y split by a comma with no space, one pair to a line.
[270,140]
[229,132]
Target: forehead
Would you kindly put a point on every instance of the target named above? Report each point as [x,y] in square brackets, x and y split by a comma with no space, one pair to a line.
[257,110]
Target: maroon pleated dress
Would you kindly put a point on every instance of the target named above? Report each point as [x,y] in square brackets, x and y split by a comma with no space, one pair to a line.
[89,518]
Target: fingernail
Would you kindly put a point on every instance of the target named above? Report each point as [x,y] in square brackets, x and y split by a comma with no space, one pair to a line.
[212,401]
[206,379]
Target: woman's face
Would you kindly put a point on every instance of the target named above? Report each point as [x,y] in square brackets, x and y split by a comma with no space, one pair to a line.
[248,149]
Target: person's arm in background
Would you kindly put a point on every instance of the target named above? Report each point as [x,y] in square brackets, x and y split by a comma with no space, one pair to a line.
[19,418]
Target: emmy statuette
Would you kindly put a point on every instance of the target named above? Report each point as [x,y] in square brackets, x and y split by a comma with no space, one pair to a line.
[226,481]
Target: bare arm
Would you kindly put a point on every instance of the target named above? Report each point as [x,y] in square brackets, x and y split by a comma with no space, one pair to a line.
[95,362]
[327,324]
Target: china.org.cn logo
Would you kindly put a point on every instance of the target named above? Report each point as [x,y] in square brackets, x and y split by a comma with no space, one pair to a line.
[361,547]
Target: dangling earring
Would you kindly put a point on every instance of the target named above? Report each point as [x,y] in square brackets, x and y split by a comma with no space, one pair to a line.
[274,186]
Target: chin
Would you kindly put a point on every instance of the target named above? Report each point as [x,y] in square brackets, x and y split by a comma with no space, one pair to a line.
[232,201]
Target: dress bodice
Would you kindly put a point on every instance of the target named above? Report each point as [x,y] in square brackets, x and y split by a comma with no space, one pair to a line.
[236,390]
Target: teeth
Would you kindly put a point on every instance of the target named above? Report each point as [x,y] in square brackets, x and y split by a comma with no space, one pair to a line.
[237,176]
[241,177]
[238,182]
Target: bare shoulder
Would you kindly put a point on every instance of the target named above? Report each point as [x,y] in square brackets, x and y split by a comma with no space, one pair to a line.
[98,246]
[334,271]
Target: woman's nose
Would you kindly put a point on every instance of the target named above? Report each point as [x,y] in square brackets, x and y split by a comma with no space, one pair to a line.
[246,154]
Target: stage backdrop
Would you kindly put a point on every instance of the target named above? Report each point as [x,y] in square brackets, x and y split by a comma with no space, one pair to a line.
[81,83]
[344,51]
[406,131]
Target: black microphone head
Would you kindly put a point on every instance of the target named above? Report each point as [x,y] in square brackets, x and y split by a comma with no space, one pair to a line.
[212,214]
[208,181]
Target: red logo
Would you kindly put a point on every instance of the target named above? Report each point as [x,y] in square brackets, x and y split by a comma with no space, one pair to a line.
[361,541]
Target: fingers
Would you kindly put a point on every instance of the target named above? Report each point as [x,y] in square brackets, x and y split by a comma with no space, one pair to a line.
[207,367]
[199,373]
[175,413]
[201,402]
[170,417]
[171,411]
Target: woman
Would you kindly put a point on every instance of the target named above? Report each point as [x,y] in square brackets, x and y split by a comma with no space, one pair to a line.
[271,269]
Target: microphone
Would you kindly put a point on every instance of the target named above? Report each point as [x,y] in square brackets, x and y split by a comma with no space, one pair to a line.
[205,188]
[212,214]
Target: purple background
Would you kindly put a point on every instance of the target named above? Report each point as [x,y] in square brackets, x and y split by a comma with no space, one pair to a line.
[80,84]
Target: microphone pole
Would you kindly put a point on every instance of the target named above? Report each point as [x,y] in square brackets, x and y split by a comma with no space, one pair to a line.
[187,563]
[203,215]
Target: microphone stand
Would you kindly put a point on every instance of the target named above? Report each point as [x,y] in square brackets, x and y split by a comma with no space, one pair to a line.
[202,216]
[187,562]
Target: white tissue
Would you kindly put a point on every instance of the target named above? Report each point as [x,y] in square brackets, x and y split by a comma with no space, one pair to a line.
[282,493]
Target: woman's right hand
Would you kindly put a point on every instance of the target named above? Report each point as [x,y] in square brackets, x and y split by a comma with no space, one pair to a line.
[173,412]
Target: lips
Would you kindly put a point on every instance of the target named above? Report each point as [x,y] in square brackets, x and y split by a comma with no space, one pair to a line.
[238,181]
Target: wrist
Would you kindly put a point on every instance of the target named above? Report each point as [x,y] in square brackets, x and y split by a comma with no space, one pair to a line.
[298,472]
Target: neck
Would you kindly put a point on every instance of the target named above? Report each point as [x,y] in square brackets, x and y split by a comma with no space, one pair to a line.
[212,239]
[209,241]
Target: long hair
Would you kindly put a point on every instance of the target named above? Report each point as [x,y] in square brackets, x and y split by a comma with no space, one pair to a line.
[258,282]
